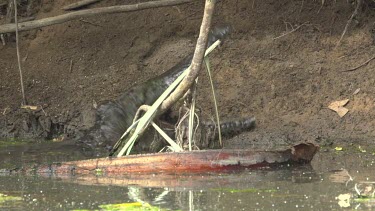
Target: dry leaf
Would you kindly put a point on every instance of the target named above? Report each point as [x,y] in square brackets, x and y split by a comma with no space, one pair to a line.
[30,107]
[342,111]
[338,106]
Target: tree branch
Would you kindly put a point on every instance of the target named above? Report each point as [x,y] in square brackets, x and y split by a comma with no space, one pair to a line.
[197,58]
[89,12]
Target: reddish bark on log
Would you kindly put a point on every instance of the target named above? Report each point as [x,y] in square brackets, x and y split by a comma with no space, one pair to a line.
[183,162]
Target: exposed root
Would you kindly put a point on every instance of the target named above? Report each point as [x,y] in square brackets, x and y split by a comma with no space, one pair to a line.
[355,13]
[359,66]
[181,130]
[289,32]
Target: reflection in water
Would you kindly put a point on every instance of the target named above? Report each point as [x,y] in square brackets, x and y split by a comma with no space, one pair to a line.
[186,192]
[287,188]
[16,156]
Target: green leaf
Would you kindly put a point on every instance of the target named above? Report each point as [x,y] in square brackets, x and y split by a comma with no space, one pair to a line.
[339,149]
[132,206]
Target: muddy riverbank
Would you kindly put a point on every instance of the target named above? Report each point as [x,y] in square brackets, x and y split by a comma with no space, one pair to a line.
[280,65]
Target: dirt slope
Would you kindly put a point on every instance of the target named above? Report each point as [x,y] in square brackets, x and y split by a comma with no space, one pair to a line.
[286,82]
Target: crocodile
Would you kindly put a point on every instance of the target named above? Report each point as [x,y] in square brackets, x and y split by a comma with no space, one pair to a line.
[114,117]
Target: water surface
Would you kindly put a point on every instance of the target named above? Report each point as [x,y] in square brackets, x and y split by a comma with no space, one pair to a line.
[323,185]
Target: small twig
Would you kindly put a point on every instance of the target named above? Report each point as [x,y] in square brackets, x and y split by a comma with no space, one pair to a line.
[359,66]
[8,19]
[2,39]
[187,97]
[180,132]
[71,66]
[288,24]
[10,11]
[18,53]
[191,113]
[350,177]
[25,58]
[178,9]
[41,107]
[174,145]
[356,189]
[355,13]
[300,10]
[207,63]
[86,21]
[5,110]
[79,4]
[295,29]
[118,143]
[321,6]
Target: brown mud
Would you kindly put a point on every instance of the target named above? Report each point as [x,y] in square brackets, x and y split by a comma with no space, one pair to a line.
[286,82]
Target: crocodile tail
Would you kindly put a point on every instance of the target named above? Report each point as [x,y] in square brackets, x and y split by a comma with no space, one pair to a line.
[208,135]
[229,128]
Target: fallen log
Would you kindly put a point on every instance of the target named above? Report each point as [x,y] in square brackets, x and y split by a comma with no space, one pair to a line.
[182,162]
[6,28]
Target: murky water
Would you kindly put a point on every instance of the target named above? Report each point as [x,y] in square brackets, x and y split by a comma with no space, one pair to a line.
[333,181]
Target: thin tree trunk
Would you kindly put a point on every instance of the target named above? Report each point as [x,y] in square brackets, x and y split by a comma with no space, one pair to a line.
[18,53]
[196,63]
